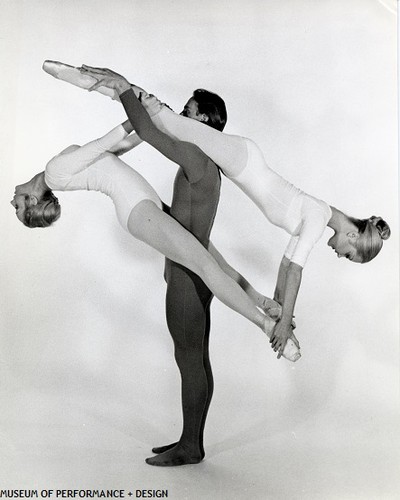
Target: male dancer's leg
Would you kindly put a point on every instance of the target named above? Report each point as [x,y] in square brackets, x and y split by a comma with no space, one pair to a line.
[207,368]
[187,309]
[210,380]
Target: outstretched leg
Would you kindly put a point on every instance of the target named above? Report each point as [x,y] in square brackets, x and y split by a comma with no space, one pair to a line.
[186,305]
[229,152]
[151,225]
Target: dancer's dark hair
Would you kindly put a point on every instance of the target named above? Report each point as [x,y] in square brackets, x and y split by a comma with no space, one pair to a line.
[213,106]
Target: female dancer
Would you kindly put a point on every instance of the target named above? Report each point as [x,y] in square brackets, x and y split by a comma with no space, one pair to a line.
[301,215]
[139,210]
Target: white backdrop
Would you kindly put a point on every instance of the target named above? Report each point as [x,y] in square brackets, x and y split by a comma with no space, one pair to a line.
[88,381]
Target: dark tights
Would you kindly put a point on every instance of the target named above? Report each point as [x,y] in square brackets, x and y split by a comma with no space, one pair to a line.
[188,318]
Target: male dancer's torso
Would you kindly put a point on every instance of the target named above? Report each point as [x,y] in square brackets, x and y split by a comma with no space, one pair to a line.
[194,205]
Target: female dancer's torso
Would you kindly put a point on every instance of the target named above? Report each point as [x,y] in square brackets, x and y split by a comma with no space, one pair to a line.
[107,174]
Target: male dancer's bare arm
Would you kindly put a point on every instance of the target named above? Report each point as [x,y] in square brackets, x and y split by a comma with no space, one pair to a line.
[268,305]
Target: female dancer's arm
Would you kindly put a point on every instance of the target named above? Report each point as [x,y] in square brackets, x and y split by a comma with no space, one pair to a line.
[75,159]
[126,145]
[281,281]
[292,280]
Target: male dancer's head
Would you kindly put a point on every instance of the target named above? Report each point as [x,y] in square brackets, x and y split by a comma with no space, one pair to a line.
[206,107]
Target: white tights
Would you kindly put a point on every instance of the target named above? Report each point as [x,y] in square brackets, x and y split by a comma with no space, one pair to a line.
[229,152]
[151,225]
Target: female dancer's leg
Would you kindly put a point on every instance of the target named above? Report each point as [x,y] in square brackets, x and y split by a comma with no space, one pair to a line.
[151,225]
[229,152]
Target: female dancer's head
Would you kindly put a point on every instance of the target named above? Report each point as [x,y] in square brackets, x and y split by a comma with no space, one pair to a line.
[360,240]
[207,107]
[35,204]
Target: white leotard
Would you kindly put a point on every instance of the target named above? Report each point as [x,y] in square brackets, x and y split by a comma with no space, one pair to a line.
[91,167]
[301,215]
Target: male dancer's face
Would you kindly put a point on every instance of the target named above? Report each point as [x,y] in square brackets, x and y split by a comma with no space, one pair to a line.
[191,110]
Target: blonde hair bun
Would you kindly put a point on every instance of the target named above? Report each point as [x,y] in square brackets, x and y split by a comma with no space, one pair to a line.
[381,226]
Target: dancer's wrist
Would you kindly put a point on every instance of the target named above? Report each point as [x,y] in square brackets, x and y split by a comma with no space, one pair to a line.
[122,86]
[286,320]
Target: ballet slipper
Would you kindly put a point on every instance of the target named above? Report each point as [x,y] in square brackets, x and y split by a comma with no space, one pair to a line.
[291,351]
[72,74]
[275,312]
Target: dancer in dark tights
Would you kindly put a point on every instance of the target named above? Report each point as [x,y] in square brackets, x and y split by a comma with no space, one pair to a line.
[188,299]
[194,204]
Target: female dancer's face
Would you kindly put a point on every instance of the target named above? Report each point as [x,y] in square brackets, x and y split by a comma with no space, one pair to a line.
[343,245]
[21,200]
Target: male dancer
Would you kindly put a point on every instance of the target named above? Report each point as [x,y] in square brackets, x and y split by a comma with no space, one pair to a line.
[194,203]
[188,300]
[195,199]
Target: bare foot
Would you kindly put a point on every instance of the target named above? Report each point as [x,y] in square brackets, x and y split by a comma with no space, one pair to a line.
[178,455]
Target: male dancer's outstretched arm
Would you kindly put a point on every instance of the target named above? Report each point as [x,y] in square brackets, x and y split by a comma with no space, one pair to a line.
[269,306]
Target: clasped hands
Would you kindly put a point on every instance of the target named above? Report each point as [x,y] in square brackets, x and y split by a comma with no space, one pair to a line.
[283,329]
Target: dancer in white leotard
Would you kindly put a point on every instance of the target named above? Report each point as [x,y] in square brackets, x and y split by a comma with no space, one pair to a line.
[301,215]
[139,210]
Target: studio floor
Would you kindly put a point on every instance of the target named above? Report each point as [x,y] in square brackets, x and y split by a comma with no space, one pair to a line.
[94,437]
